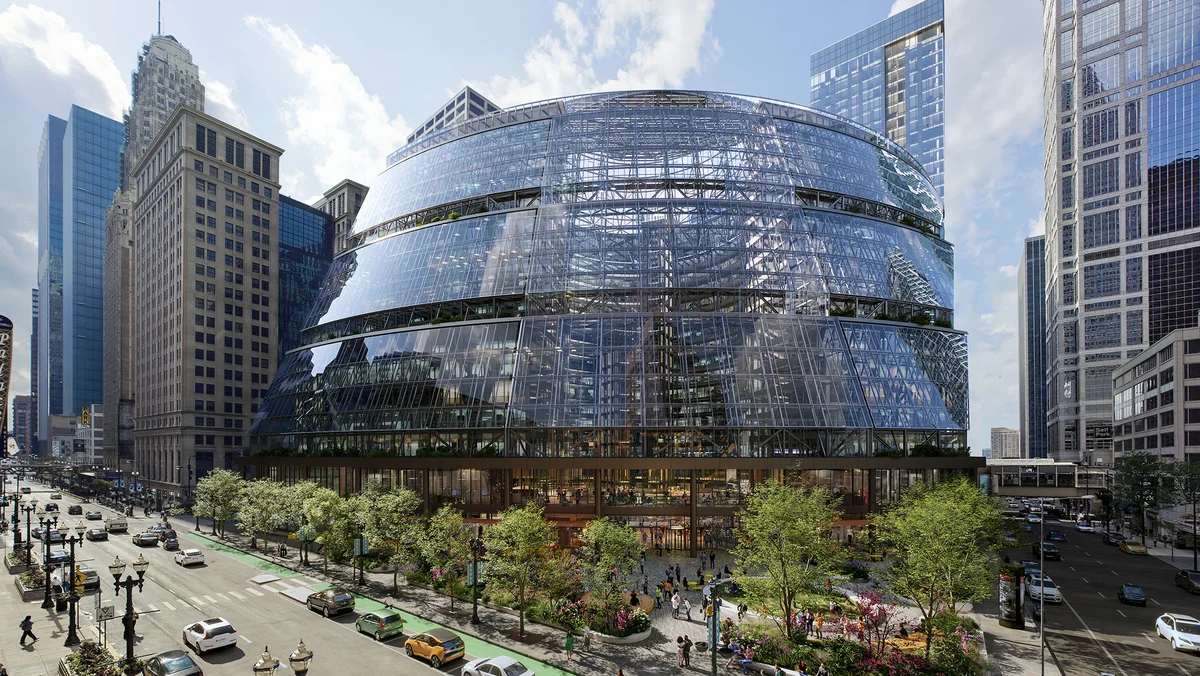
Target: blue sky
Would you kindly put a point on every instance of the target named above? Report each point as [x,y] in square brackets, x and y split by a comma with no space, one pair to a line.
[338,85]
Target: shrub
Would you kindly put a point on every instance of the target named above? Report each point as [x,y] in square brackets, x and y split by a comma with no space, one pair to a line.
[92,660]
[842,656]
[856,572]
[419,577]
[453,215]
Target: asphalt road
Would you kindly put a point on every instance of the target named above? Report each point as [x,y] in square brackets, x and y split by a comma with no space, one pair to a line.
[1092,632]
[174,597]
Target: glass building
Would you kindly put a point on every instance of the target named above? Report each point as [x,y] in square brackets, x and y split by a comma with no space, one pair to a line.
[1122,91]
[305,251]
[1031,332]
[636,304]
[47,301]
[891,77]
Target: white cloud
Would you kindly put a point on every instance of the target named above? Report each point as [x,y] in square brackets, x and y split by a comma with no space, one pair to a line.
[332,124]
[43,35]
[218,102]
[901,5]
[662,43]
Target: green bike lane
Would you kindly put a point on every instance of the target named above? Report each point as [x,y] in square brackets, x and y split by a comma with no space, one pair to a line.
[413,624]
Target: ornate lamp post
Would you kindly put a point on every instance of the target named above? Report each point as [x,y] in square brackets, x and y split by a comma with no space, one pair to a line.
[16,520]
[47,524]
[68,577]
[300,658]
[29,510]
[117,569]
[266,665]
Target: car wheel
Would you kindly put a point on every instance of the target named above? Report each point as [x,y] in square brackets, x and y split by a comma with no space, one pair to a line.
[325,611]
[408,650]
[378,636]
[435,662]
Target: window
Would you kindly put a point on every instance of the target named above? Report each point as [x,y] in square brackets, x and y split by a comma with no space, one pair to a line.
[1133,117]
[228,150]
[1133,63]
[1066,96]
[1133,275]
[1101,178]
[1101,229]
[1102,331]
[1133,170]
[239,159]
[201,138]
[1102,280]
[1068,240]
[1068,192]
[1068,288]
[1100,76]
[212,142]
[1133,222]
[1068,143]
[1133,327]
[1099,127]
[1100,25]
[256,168]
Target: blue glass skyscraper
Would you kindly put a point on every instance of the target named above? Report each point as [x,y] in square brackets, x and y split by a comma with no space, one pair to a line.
[1031,334]
[891,78]
[305,252]
[79,168]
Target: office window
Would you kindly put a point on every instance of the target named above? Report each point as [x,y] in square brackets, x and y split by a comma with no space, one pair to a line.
[212,142]
[1133,327]
[1068,192]
[1133,222]
[1068,288]
[1101,229]
[228,150]
[1102,280]
[1101,178]
[1133,275]
[1133,170]
[1099,127]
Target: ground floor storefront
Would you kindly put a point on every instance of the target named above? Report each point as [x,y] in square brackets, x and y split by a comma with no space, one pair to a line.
[686,504]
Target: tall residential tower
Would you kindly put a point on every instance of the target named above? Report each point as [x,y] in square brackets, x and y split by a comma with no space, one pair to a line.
[1122,134]
[1031,334]
[891,77]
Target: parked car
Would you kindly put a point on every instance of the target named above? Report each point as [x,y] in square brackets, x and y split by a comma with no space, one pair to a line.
[93,515]
[1047,550]
[75,510]
[383,624]
[145,539]
[188,557]
[1182,631]
[1031,567]
[210,634]
[171,663]
[495,666]
[436,645]
[1133,547]
[331,601]
[1189,580]
[96,534]
[1111,538]
[1131,594]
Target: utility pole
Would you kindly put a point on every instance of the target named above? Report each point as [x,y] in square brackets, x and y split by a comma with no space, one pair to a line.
[1042,582]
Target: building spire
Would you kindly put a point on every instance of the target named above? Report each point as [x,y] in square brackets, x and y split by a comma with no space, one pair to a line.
[159,17]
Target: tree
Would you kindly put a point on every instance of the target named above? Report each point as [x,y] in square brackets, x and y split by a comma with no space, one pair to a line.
[217,495]
[881,618]
[609,555]
[385,518]
[325,510]
[519,548]
[258,509]
[1138,478]
[785,545]
[946,537]
[1186,488]
[446,547]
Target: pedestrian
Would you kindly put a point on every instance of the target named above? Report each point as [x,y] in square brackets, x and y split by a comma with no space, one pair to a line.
[687,651]
[683,583]
[570,645]
[658,596]
[679,651]
[727,573]
[675,606]
[621,672]
[27,629]
[712,559]
[687,609]
[822,671]
[819,623]
[700,572]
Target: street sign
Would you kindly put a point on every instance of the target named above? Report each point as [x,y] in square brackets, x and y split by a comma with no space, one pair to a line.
[106,613]
[361,547]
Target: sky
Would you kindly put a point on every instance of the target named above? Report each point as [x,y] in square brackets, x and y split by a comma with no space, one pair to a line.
[339,86]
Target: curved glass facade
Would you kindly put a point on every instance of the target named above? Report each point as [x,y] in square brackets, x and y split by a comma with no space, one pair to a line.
[635,275]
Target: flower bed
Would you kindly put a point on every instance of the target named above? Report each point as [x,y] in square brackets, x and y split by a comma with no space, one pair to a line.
[90,660]
[605,620]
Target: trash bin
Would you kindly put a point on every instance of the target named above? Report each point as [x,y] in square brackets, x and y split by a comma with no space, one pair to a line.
[60,604]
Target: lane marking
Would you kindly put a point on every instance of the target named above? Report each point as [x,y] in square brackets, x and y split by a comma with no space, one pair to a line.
[152,607]
[1122,613]
[168,605]
[1101,594]
[182,603]
[1156,602]
[197,602]
[223,596]
[1113,572]
[1085,581]
[1147,637]
[237,596]
[283,583]
[1094,639]
[255,591]
[210,599]
[1184,670]
[1072,568]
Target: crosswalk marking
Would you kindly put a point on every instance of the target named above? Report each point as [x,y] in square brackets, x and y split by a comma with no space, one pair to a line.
[223,596]
[153,607]
[197,602]
[168,605]
[183,604]
[237,596]
[255,591]
[284,583]
[311,580]
[210,599]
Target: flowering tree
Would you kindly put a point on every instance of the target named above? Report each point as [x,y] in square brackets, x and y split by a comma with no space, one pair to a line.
[880,618]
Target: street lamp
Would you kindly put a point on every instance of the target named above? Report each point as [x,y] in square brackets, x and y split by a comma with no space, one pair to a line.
[129,619]
[476,546]
[266,665]
[300,658]
[714,623]
[68,577]
[47,525]
[29,510]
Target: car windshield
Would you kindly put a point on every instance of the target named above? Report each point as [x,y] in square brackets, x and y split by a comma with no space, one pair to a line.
[1050,548]
[1131,589]
[515,669]
[1185,627]
[1194,576]
[1045,582]
[178,663]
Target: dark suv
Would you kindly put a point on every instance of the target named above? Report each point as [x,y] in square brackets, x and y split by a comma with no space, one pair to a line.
[331,601]
[1049,551]
[1189,580]
[1111,538]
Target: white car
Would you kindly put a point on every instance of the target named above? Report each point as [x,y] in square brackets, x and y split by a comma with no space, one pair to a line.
[186,557]
[1183,631]
[1039,586]
[495,666]
[1084,527]
[210,634]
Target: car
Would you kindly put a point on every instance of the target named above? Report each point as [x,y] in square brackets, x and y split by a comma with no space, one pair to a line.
[94,534]
[171,663]
[145,539]
[167,534]
[1085,527]
[1131,594]
[331,601]
[188,557]
[116,524]
[1189,580]
[1033,518]
[51,506]
[93,515]
[1133,547]
[210,634]
[51,535]
[1039,587]
[58,556]
[1111,538]
[170,545]
[75,510]
[1031,567]
[495,666]
[26,490]
[439,646]
[382,624]
[56,496]
[1047,550]
[158,528]
[1183,631]
[1056,536]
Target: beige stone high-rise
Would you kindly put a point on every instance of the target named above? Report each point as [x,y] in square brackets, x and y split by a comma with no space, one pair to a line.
[342,202]
[165,79]
[205,272]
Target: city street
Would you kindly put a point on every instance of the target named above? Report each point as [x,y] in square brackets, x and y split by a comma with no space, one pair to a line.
[1092,632]
[263,616]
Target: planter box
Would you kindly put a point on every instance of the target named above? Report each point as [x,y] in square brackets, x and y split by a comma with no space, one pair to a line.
[30,594]
[623,640]
[14,568]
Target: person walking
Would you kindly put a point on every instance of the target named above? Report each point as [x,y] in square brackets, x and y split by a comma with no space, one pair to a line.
[675,606]
[658,596]
[27,629]
[687,609]
[819,623]
[712,559]
[570,645]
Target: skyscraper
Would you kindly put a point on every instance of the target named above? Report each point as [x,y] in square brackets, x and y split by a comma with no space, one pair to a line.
[464,105]
[47,388]
[34,339]
[1006,443]
[342,202]
[22,421]
[891,77]
[1031,334]
[1122,133]
[306,239]
[165,79]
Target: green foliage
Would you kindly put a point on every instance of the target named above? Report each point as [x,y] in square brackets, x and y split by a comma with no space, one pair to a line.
[453,215]
[217,496]
[785,546]
[1185,490]
[446,547]
[259,508]
[385,518]
[1141,478]
[519,545]
[943,323]
[93,660]
[609,555]
[842,656]
[844,312]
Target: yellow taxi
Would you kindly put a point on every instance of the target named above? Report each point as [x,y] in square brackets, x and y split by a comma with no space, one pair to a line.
[1133,547]
[439,646]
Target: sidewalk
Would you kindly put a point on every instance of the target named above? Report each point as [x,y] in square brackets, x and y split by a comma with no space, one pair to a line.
[1013,652]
